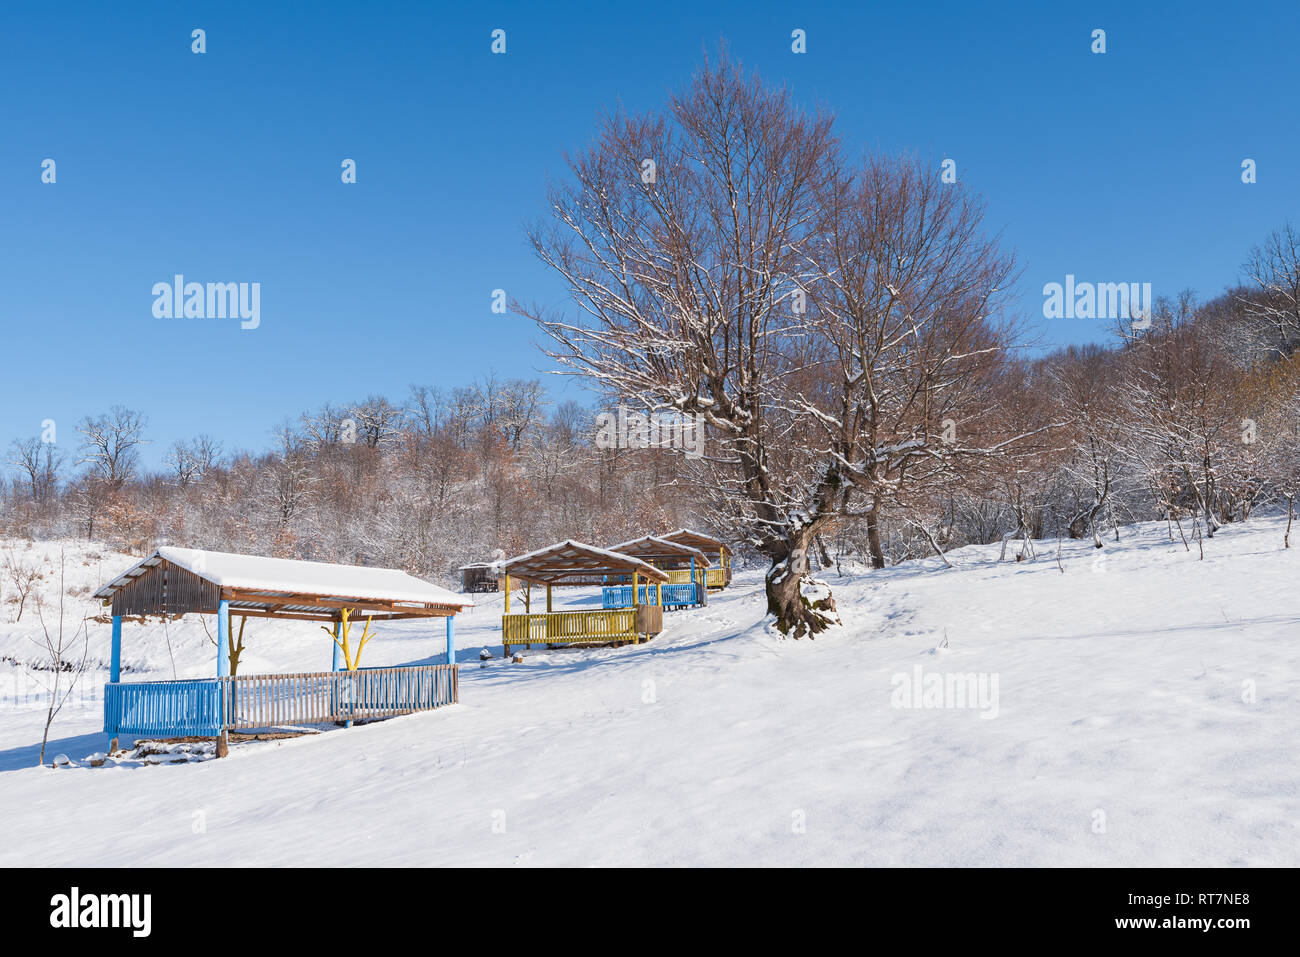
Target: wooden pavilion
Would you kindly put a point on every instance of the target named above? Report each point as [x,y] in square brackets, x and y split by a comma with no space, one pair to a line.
[479,577]
[178,581]
[573,563]
[670,557]
[716,578]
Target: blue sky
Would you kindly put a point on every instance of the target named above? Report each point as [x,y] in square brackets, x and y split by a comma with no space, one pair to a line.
[225,167]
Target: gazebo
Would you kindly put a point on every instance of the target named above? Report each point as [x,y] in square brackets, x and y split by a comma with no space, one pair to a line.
[573,563]
[478,577]
[179,581]
[717,550]
[670,557]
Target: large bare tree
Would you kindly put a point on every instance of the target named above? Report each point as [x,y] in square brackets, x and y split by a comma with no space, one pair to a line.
[823,319]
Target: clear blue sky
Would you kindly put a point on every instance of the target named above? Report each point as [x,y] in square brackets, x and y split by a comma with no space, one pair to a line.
[225,167]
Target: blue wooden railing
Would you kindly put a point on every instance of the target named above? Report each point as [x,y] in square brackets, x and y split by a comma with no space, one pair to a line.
[675,596]
[167,708]
[206,706]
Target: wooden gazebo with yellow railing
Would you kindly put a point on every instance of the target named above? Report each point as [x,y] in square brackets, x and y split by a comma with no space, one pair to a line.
[571,563]
[716,578]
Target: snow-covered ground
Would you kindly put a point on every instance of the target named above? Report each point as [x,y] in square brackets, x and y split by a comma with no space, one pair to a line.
[1143,708]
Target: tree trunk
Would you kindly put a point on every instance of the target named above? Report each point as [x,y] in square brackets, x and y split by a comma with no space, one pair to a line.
[873,539]
[823,553]
[797,614]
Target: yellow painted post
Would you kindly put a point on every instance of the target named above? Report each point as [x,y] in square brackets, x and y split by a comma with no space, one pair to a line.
[636,603]
[505,641]
[548,613]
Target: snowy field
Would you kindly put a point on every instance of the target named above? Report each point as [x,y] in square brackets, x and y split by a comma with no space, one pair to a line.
[1143,708]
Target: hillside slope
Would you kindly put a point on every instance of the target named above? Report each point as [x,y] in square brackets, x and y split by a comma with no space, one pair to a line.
[1142,708]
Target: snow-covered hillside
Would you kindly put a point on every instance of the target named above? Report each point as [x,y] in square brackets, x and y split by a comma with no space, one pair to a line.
[1143,708]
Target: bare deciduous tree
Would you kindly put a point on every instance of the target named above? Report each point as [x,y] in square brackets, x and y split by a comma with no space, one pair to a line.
[111,444]
[67,655]
[23,576]
[822,320]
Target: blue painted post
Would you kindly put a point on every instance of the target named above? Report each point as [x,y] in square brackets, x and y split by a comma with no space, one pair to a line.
[223,639]
[223,671]
[694,584]
[113,702]
[115,663]
[451,640]
[337,666]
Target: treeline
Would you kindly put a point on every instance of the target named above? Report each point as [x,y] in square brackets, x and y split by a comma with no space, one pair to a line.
[1191,417]
[427,483]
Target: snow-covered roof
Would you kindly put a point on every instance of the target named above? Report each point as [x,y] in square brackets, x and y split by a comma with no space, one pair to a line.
[573,562]
[698,539]
[292,577]
[651,546]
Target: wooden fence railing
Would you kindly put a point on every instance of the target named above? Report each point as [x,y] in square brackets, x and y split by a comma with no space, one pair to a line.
[210,705]
[164,708]
[675,596]
[258,701]
[569,627]
[713,577]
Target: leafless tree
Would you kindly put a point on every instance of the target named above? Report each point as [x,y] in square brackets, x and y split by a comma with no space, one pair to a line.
[39,462]
[23,576]
[821,319]
[378,422]
[67,655]
[111,444]
[1274,267]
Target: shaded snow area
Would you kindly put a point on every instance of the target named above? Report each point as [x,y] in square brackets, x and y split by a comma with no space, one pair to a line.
[1143,708]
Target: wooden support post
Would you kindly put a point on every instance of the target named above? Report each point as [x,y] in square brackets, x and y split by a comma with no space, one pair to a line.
[223,669]
[549,644]
[505,648]
[451,640]
[115,663]
[223,638]
[338,651]
[636,603]
[114,676]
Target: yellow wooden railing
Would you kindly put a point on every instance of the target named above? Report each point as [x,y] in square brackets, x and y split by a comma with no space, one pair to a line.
[569,627]
[713,577]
